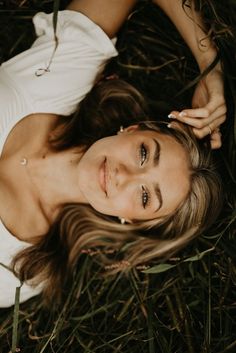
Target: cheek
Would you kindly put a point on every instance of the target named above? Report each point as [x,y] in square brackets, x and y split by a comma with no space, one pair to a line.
[121,205]
[124,203]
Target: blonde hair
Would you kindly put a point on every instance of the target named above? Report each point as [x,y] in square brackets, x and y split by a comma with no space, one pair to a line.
[79,228]
[159,237]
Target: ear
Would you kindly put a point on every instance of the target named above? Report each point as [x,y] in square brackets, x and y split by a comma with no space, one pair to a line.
[131,128]
[124,220]
[128,221]
[128,129]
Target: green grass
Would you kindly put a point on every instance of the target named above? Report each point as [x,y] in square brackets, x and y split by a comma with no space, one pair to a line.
[188,305]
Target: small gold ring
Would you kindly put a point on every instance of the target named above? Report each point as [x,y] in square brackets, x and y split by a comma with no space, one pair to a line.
[209,128]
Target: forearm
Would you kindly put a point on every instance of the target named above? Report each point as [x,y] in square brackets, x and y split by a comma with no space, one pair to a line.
[108,14]
[190,25]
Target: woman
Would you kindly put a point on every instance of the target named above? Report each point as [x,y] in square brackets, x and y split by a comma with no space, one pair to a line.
[68,184]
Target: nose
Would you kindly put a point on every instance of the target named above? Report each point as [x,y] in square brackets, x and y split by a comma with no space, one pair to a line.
[125,174]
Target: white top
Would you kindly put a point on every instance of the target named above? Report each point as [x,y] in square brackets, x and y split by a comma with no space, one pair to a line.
[81,53]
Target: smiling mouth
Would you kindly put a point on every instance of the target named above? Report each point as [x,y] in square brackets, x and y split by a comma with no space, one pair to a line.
[102,177]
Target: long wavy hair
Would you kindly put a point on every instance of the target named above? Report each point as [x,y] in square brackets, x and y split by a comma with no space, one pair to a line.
[79,228]
[158,63]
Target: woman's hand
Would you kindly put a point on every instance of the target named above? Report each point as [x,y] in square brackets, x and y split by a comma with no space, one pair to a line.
[209,108]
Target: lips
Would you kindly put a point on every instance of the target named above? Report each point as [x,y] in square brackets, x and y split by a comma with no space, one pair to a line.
[102,176]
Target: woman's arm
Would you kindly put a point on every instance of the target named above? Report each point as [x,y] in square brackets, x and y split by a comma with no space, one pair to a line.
[107,14]
[190,26]
[208,99]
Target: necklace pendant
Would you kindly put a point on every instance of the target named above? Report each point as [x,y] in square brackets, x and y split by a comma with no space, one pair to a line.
[24,161]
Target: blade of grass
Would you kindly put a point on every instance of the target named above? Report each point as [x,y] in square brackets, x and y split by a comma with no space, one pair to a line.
[15,320]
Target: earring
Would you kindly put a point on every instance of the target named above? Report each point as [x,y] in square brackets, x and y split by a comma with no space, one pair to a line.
[122,220]
[121,129]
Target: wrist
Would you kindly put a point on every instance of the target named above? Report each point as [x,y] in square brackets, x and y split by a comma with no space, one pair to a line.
[206,56]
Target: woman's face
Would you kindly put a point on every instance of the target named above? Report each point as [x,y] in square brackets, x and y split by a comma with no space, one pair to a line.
[137,175]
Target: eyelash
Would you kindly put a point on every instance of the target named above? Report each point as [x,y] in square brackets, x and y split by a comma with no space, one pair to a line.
[143,157]
[143,153]
[145,197]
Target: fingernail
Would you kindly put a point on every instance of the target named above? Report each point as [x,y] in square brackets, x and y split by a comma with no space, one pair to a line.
[171,116]
[169,126]
[182,114]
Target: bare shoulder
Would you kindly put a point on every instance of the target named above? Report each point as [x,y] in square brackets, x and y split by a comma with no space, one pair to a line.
[19,210]
[29,133]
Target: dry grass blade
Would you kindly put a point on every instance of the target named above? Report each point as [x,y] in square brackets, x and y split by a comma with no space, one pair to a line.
[15,321]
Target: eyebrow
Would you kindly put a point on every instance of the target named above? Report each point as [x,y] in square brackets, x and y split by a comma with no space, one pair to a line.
[156,159]
[157,153]
[159,196]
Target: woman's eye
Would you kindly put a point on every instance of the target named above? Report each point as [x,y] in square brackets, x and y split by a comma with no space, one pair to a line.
[145,197]
[143,153]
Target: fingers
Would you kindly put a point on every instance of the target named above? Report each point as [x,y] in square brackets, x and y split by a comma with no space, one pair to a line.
[202,126]
[216,140]
[199,118]
[210,129]
[207,129]
[207,110]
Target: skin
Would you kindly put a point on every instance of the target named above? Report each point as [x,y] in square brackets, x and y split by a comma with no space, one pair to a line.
[52,179]
[210,108]
[208,111]
[117,175]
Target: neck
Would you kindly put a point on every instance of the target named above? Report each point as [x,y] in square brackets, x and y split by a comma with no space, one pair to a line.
[54,180]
